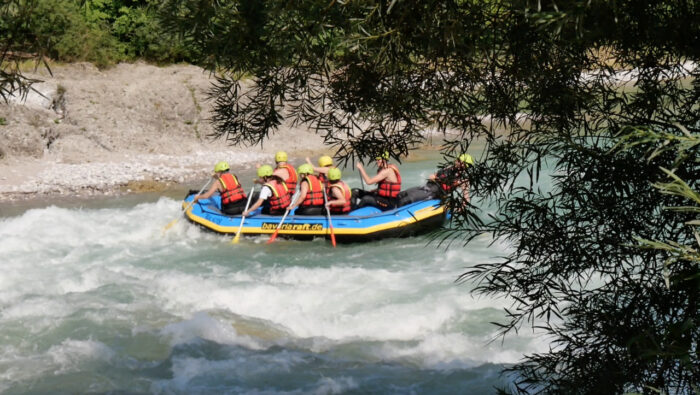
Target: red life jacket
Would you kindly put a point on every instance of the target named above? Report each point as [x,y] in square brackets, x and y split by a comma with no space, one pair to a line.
[390,189]
[280,198]
[292,180]
[345,190]
[314,196]
[233,191]
[447,175]
[324,179]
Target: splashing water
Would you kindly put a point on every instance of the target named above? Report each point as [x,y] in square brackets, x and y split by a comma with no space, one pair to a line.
[100,299]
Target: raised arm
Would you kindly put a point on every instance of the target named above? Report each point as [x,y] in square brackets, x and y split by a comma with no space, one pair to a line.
[373,180]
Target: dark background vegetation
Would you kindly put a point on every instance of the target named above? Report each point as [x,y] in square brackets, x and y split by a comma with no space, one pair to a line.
[602,95]
[103,32]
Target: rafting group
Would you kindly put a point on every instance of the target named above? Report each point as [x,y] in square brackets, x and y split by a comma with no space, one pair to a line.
[317,190]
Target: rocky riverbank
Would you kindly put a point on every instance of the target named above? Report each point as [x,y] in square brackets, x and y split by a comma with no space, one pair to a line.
[131,128]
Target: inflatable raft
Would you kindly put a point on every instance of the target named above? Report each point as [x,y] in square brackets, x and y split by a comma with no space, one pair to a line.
[367,223]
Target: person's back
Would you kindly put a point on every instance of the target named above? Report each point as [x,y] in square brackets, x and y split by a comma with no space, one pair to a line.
[390,186]
[285,171]
[233,198]
[310,200]
[280,198]
[273,197]
[339,194]
[388,180]
[445,180]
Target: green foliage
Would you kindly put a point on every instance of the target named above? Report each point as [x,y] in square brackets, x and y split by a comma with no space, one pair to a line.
[542,85]
[100,31]
[17,43]
[67,36]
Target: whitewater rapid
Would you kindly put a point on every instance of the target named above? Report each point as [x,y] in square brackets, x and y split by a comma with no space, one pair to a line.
[102,299]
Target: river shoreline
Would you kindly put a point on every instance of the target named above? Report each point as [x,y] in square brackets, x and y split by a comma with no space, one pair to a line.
[133,128]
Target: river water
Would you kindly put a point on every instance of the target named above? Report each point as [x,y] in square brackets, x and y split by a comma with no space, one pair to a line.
[95,297]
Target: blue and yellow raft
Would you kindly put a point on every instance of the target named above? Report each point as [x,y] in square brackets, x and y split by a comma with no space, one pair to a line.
[367,223]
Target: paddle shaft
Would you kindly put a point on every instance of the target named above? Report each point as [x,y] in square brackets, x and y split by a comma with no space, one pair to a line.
[168,226]
[328,215]
[238,233]
[294,199]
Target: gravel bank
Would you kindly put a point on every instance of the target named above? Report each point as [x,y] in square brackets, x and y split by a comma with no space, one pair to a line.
[95,132]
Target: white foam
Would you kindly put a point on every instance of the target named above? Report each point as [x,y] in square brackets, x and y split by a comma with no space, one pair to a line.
[327,385]
[203,326]
[71,354]
[400,294]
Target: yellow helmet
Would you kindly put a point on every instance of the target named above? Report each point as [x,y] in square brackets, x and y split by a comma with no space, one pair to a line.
[221,166]
[264,171]
[334,174]
[281,156]
[325,160]
[305,169]
[384,156]
[466,159]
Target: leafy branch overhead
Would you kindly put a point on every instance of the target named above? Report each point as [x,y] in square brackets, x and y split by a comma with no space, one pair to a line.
[545,94]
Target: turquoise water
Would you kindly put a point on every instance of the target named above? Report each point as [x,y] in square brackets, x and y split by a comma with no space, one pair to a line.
[94,297]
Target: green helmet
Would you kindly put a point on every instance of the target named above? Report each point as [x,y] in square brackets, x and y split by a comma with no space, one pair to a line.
[264,171]
[325,160]
[305,169]
[334,174]
[281,156]
[384,156]
[221,166]
[466,159]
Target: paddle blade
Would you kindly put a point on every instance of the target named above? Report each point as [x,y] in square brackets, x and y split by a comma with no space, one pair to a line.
[236,239]
[274,236]
[170,225]
[333,239]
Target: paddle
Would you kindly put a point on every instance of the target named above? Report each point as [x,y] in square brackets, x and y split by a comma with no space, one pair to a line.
[294,199]
[328,214]
[238,234]
[173,222]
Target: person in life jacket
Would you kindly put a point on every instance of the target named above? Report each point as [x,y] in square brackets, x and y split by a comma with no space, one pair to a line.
[339,193]
[450,178]
[310,200]
[274,195]
[233,198]
[325,163]
[285,171]
[388,180]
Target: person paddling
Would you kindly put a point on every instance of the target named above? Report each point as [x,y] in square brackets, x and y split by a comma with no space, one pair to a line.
[285,171]
[233,198]
[325,163]
[339,193]
[451,177]
[310,200]
[274,195]
[388,180]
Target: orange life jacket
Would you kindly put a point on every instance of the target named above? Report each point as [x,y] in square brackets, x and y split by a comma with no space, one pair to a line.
[314,196]
[233,191]
[292,180]
[280,198]
[345,190]
[390,189]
